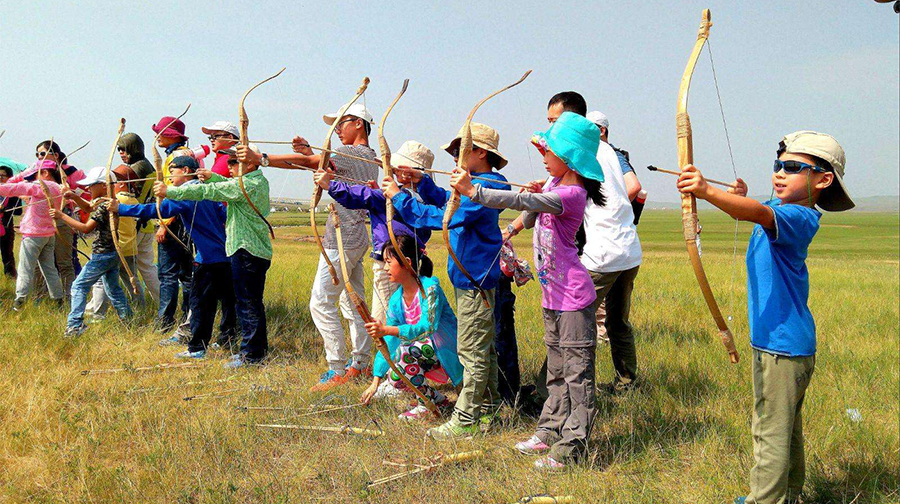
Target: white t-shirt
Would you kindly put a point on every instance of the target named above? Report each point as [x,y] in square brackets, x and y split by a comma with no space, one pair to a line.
[611,239]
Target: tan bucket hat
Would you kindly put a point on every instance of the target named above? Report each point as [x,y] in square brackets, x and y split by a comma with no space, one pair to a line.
[835,197]
[414,155]
[484,137]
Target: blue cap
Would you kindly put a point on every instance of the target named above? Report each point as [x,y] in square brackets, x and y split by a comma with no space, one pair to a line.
[575,140]
[185,162]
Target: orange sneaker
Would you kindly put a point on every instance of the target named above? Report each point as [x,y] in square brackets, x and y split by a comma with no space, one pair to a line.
[328,380]
[363,373]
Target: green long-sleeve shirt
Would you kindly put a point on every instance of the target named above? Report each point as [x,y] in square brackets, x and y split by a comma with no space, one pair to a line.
[243,228]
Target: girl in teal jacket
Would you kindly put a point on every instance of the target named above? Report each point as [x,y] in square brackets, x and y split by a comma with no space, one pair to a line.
[420,331]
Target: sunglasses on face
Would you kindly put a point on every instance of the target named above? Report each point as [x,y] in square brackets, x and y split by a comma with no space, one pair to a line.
[213,138]
[794,167]
[44,154]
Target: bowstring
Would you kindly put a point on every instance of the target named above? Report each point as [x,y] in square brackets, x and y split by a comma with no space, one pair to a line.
[734,172]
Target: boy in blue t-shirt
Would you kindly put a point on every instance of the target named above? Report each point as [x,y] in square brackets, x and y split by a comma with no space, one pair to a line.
[809,171]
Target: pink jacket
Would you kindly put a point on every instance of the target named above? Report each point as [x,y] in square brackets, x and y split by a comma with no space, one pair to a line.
[36,221]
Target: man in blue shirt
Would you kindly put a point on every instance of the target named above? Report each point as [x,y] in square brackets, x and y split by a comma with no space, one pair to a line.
[808,172]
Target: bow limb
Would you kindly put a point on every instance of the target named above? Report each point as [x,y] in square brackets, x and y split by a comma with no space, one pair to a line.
[363,310]
[465,148]
[388,203]
[46,191]
[317,191]
[113,217]
[689,219]
[245,123]
[158,163]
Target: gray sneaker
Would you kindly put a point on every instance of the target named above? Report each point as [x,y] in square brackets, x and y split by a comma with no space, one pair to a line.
[18,304]
[187,354]
[171,341]
[75,331]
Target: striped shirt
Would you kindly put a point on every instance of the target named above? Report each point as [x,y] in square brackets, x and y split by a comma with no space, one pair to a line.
[353,222]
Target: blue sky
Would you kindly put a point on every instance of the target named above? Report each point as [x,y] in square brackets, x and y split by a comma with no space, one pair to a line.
[72,69]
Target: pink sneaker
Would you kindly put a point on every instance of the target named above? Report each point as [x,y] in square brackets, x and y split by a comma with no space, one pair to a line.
[418,413]
[532,446]
[549,464]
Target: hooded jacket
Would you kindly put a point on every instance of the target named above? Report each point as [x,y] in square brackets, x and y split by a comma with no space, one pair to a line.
[132,144]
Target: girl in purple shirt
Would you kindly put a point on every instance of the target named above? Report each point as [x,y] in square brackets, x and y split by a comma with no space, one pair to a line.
[569,148]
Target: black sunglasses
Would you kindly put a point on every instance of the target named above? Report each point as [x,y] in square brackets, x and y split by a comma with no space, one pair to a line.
[794,167]
[43,154]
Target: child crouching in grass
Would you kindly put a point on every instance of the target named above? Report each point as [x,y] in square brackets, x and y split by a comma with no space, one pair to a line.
[569,148]
[420,332]
[104,261]
[809,171]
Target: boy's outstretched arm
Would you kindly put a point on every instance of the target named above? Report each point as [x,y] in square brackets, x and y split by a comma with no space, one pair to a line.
[736,204]
[77,225]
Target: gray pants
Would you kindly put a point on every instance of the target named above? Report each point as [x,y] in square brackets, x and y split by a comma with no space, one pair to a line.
[475,347]
[38,251]
[568,413]
[614,290]
[779,386]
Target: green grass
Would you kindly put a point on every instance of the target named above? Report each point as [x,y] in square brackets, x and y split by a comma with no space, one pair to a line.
[683,437]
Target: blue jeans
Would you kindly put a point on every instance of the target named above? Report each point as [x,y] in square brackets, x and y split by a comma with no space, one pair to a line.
[249,275]
[104,266]
[174,266]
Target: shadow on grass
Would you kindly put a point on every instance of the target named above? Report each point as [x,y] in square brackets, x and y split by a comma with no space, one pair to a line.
[857,480]
[660,415]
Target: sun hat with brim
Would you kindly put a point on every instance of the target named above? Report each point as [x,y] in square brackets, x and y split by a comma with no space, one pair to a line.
[223,126]
[483,137]
[835,197]
[355,110]
[15,166]
[96,175]
[575,140]
[414,155]
[174,128]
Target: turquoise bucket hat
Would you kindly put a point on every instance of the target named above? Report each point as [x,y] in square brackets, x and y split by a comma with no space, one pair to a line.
[16,167]
[575,140]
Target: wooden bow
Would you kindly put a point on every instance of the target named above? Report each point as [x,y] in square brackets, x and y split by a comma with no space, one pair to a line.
[388,203]
[317,191]
[158,163]
[363,311]
[245,123]
[114,217]
[689,219]
[465,147]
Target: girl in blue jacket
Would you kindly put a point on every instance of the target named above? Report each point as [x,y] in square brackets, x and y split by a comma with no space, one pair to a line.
[420,331]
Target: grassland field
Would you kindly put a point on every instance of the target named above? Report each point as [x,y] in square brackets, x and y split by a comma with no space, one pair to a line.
[684,437]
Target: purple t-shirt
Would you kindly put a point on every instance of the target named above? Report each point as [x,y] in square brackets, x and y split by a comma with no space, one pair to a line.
[565,283]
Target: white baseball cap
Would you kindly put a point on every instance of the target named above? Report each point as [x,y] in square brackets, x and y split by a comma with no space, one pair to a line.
[96,175]
[226,126]
[598,118]
[355,110]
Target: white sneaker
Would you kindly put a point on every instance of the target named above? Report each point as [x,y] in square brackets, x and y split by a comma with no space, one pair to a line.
[386,389]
